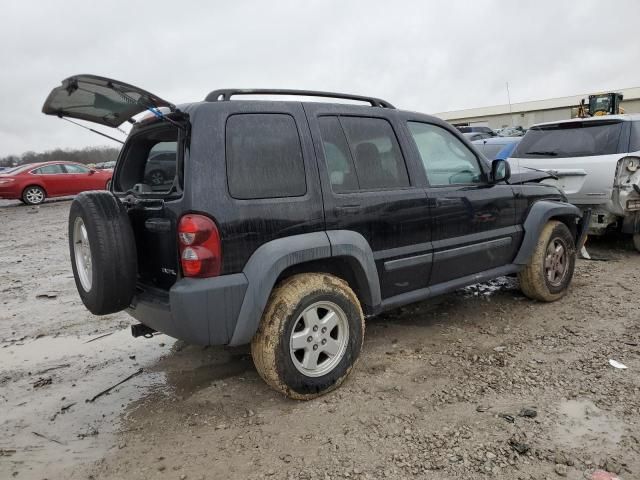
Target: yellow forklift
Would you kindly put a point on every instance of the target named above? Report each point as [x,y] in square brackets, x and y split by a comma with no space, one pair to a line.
[601,104]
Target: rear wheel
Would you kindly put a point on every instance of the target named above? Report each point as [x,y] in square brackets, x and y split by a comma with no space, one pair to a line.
[310,335]
[103,252]
[636,241]
[550,270]
[33,195]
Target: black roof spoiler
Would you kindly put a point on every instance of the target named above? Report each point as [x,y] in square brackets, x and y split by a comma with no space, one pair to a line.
[226,94]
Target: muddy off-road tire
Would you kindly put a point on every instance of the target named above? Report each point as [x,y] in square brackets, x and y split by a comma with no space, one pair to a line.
[103,252]
[550,269]
[636,241]
[310,335]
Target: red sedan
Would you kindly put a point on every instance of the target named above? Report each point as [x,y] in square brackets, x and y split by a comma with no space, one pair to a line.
[34,182]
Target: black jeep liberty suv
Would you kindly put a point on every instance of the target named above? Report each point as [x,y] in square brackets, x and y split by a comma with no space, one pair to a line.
[285,224]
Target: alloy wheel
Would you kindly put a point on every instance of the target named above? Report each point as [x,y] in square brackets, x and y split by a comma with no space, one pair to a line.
[319,339]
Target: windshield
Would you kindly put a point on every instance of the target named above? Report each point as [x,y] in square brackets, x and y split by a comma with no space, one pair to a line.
[571,139]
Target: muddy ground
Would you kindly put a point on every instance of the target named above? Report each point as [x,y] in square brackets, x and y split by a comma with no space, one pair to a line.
[438,392]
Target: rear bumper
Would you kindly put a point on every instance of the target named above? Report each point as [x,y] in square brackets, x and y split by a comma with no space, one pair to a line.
[6,194]
[200,311]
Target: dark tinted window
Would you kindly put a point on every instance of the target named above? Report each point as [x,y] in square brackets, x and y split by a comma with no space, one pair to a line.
[49,169]
[264,157]
[446,160]
[342,172]
[634,146]
[571,139]
[376,154]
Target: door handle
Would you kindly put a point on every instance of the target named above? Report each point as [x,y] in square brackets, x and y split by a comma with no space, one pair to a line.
[348,209]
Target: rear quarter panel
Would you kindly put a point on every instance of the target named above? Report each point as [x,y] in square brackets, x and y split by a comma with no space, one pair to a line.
[244,225]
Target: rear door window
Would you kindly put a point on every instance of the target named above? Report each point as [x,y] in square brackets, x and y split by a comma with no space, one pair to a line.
[375,153]
[571,139]
[342,171]
[264,157]
[76,169]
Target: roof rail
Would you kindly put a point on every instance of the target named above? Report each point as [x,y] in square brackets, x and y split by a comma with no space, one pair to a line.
[227,93]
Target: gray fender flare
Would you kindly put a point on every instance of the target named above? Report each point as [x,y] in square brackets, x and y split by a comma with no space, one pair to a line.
[539,214]
[356,250]
[267,263]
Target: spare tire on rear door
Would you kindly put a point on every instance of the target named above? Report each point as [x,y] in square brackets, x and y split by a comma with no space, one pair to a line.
[103,252]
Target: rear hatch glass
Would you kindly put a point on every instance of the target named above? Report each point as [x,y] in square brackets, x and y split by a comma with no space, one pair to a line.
[100,100]
[571,139]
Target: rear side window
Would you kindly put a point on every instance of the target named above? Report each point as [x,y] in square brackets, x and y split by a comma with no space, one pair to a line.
[264,157]
[49,170]
[373,159]
[571,139]
[76,169]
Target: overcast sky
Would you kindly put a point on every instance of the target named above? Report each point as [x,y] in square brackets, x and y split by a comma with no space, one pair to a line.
[429,56]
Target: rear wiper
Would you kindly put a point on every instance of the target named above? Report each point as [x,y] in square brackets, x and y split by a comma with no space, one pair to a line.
[542,152]
[541,171]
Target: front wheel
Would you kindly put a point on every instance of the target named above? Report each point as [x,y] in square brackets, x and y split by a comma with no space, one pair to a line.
[550,270]
[636,241]
[310,335]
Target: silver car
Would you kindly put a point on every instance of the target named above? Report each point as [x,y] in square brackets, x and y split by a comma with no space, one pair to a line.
[596,162]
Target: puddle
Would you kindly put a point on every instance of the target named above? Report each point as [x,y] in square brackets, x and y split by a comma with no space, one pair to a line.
[71,431]
[580,422]
[52,426]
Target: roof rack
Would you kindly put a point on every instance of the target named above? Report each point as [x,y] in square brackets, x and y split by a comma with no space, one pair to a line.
[227,93]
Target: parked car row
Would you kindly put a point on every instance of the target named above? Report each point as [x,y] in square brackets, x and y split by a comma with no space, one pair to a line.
[594,161]
[105,165]
[35,182]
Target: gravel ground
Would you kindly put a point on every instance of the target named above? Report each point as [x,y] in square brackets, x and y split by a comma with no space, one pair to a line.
[481,383]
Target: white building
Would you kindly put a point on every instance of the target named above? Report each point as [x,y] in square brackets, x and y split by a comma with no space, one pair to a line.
[526,114]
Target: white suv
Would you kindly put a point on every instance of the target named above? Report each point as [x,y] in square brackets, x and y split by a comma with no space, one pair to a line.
[597,164]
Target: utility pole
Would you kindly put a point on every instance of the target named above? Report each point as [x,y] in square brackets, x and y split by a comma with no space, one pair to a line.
[509,99]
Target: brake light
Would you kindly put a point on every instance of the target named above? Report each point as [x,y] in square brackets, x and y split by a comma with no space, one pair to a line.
[199,245]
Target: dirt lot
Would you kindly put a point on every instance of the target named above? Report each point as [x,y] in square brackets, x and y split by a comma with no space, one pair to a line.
[445,389]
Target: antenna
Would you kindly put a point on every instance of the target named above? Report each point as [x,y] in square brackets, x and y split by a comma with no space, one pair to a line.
[509,100]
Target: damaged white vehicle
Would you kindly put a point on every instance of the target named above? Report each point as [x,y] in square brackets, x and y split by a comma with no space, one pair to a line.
[596,162]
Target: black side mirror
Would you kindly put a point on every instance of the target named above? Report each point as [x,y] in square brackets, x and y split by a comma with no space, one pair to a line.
[500,171]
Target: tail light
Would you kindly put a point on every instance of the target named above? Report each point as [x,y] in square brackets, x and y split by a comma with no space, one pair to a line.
[199,245]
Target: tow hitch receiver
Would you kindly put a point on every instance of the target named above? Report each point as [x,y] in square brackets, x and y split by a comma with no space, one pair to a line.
[141,330]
